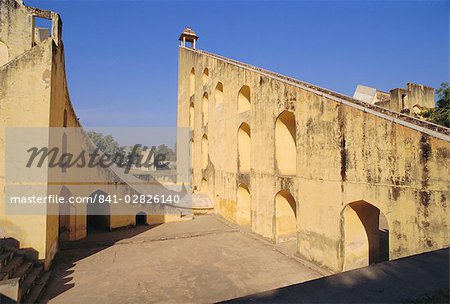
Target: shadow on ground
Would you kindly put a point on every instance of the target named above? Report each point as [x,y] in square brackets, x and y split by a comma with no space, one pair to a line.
[422,278]
[73,251]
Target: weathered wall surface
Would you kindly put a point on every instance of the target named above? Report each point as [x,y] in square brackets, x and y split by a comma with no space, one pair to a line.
[34,93]
[343,154]
[25,102]
[15,29]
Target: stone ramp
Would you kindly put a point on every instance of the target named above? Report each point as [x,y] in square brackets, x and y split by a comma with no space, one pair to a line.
[435,130]
[421,278]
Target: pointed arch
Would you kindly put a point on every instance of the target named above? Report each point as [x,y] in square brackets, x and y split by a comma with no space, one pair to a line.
[64,215]
[244,147]
[285,144]
[243,209]
[365,235]
[141,218]
[191,116]
[285,216]
[205,76]
[244,99]
[192,82]
[218,94]
[205,108]
[192,152]
[98,214]
[205,151]
[204,185]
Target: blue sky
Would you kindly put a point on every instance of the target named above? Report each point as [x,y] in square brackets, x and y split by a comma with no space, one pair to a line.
[121,56]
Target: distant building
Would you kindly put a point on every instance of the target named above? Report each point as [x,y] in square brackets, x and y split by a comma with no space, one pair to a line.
[412,100]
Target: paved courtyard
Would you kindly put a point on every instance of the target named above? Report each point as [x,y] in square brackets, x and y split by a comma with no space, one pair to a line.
[202,260]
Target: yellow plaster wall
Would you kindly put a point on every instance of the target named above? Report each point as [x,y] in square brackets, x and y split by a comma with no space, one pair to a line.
[343,155]
[34,93]
[25,102]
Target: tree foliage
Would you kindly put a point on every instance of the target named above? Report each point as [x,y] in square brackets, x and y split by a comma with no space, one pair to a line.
[441,113]
[131,155]
[166,151]
[107,145]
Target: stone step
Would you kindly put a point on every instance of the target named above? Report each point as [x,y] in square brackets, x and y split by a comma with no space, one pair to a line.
[31,278]
[6,300]
[5,257]
[9,243]
[7,270]
[37,290]
[22,271]
[10,291]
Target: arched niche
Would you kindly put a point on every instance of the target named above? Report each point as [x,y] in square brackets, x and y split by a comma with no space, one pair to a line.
[244,99]
[205,76]
[244,147]
[204,185]
[243,208]
[192,82]
[218,94]
[204,150]
[191,116]
[285,144]
[285,216]
[205,108]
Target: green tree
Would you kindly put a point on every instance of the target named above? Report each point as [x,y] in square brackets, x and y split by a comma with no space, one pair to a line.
[107,145]
[166,151]
[441,113]
[134,153]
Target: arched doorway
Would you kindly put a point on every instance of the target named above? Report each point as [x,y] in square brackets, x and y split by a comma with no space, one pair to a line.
[244,148]
[141,219]
[285,216]
[98,212]
[366,235]
[64,215]
[285,144]
[244,99]
[243,214]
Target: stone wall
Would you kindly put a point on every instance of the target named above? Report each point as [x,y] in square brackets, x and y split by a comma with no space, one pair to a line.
[34,94]
[345,152]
